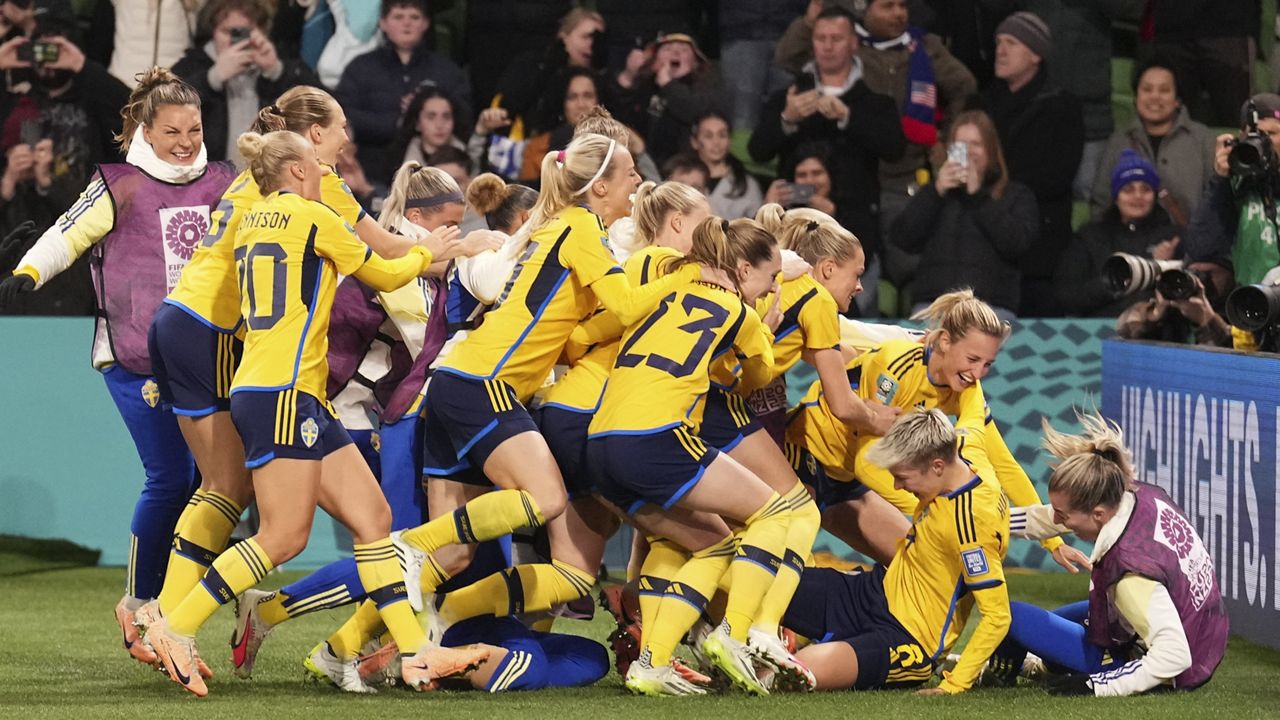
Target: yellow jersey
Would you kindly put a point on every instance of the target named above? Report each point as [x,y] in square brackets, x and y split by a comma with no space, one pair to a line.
[661,373]
[951,559]
[289,252]
[580,389]
[207,289]
[564,272]
[810,321]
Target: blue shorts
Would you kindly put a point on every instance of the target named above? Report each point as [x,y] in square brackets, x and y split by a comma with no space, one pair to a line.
[284,424]
[657,468]
[566,434]
[726,420]
[465,420]
[826,491]
[192,362]
[835,606]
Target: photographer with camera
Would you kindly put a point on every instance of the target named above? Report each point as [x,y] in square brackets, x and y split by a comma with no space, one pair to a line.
[1236,221]
[236,70]
[1187,307]
[1133,224]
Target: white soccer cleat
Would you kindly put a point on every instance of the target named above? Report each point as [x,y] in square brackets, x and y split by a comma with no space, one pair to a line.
[250,631]
[324,666]
[645,679]
[698,634]
[784,671]
[411,561]
[734,659]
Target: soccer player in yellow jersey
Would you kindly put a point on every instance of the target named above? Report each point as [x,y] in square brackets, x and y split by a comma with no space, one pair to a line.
[887,628]
[476,413]
[945,371]
[644,452]
[195,346]
[289,250]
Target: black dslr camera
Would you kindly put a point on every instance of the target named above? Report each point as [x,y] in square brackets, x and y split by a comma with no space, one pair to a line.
[1252,157]
[1256,308]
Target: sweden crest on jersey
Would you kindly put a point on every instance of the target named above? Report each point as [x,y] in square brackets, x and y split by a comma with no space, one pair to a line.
[310,432]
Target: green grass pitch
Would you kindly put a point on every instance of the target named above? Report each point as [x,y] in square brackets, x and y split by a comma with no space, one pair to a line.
[60,658]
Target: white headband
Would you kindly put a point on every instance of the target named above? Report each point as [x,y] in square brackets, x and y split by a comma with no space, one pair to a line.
[599,173]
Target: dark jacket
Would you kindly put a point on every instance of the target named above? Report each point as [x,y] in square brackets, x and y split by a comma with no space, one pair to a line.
[628,21]
[370,91]
[1080,285]
[971,241]
[1042,132]
[664,116]
[194,67]
[873,134]
[1190,19]
[523,29]
[757,19]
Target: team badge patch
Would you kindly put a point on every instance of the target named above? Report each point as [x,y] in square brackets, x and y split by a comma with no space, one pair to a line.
[975,562]
[886,388]
[811,464]
[310,432]
[150,393]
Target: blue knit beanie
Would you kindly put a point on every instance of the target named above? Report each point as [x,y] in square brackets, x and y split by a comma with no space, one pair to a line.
[1132,167]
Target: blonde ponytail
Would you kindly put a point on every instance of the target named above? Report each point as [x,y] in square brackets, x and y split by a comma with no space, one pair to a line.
[958,313]
[1094,468]
[654,203]
[415,183]
[268,155]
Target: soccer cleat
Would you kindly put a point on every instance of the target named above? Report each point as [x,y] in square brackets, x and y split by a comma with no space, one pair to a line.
[380,665]
[249,632]
[614,599]
[324,666]
[701,630]
[133,642]
[421,671]
[178,655]
[411,561]
[733,658]
[625,641]
[645,679]
[784,671]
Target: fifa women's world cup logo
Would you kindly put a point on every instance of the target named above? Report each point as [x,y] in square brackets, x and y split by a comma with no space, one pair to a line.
[184,228]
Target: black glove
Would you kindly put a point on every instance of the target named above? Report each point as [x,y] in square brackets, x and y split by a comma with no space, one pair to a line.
[13,285]
[1070,684]
[16,243]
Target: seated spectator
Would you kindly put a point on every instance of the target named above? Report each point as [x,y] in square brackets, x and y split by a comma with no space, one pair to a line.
[1163,133]
[376,87]
[731,190]
[1042,130]
[663,89]
[1235,224]
[530,80]
[973,225]
[236,71]
[1134,224]
[687,169]
[823,105]
[427,126]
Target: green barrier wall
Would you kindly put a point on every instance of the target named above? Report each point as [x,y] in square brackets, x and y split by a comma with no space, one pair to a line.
[68,468]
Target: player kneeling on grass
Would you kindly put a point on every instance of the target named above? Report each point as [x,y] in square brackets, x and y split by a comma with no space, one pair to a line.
[1155,613]
[886,628]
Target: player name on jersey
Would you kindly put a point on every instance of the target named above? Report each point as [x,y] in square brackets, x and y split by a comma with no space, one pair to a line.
[268,220]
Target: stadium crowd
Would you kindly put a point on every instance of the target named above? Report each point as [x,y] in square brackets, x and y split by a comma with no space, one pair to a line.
[331,268]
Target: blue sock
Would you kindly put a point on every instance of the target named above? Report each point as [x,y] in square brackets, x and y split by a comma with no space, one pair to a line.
[1054,638]
[402,472]
[171,478]
[331,586]
[1075,612]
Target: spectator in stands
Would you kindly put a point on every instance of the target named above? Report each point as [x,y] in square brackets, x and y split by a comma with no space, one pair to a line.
[456,162]
[376,87]
[806,182]
[830,101]
[635,24]
[427,126]
[1198,319]
[1164,134]
[927,84]
[1081,65]
[973,225]
[236,70]
[1133,223]
[526,33]
[1212,47]
[663,89]
[530,80]
[1041,129]
[574,93]
[1234,226]
[688,169]
[968,29]
[749,33]
[130,36]
[731,191]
